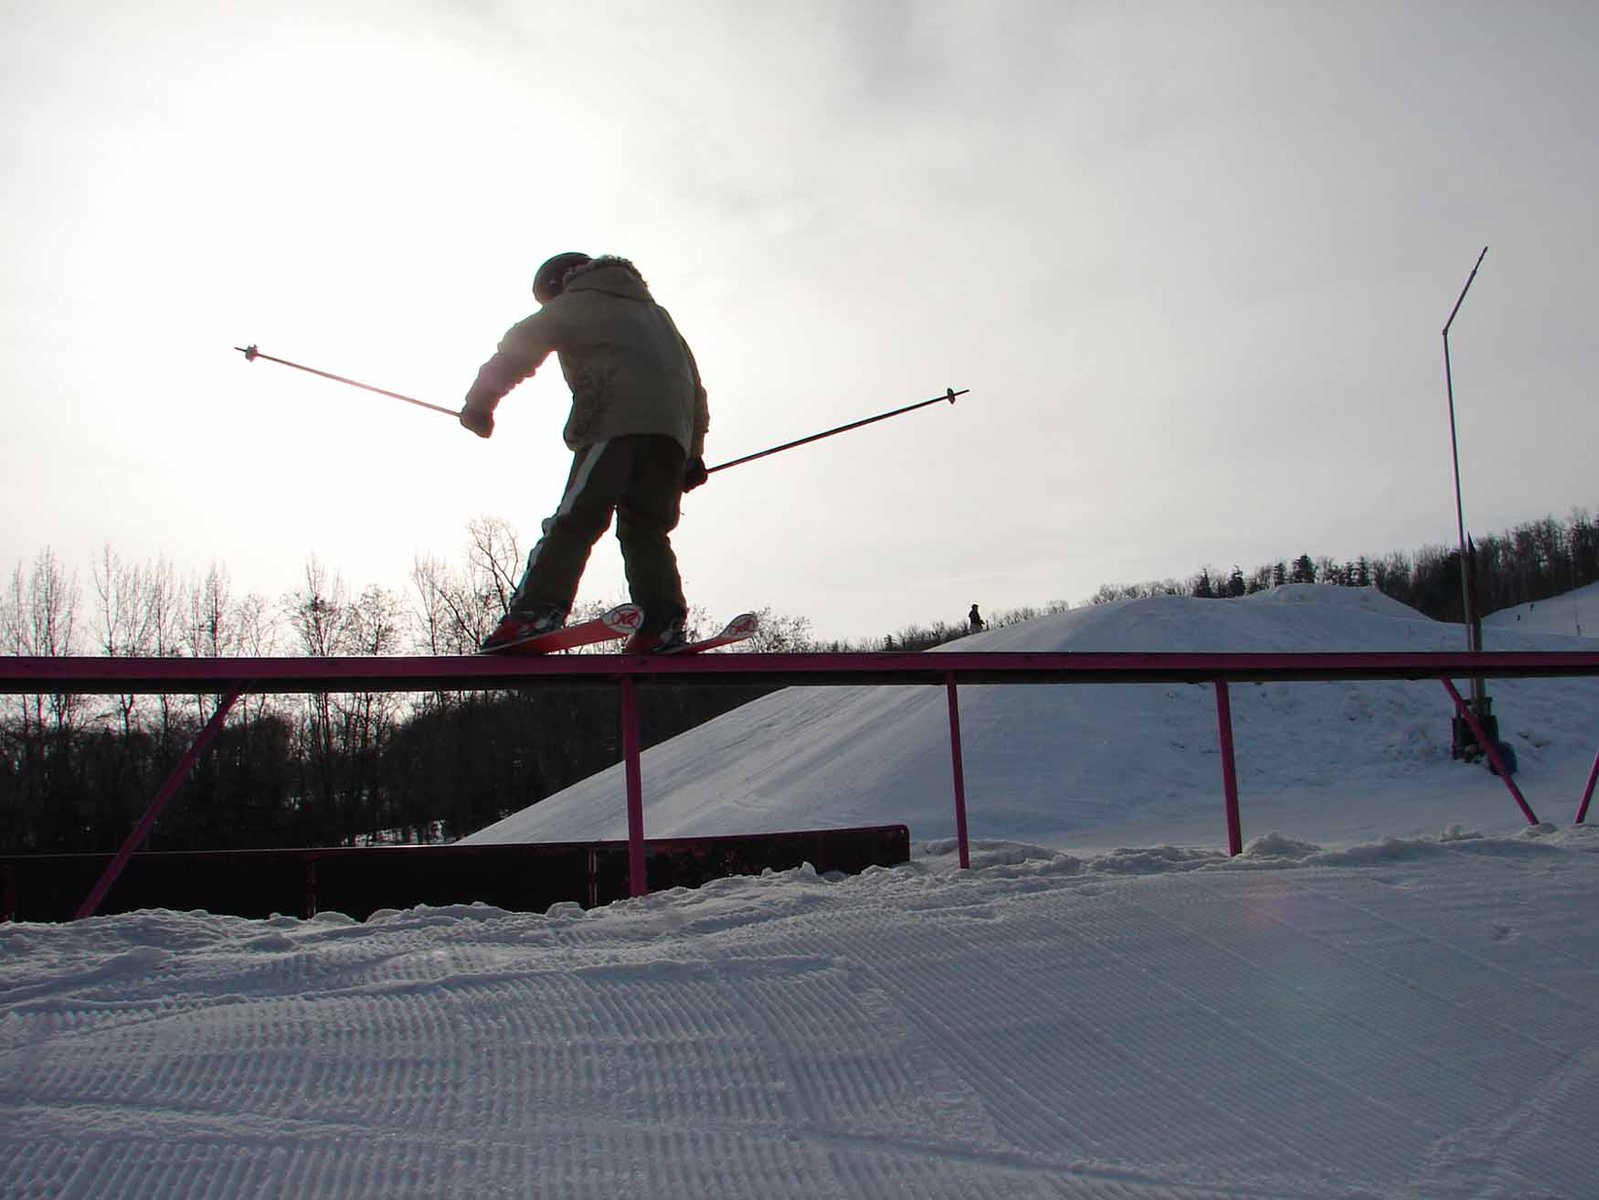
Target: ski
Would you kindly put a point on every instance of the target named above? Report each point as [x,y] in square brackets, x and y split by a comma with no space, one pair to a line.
[741,627]
[619,622]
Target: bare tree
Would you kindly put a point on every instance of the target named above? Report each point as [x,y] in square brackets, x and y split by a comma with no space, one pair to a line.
[455,614]
[780,634]
[163,601]
[40,618]
[316,612]
[432,617]
[255,637]
[494,556]
[316,616]
[125,619]
[457,609]
[210,628]
[373,625]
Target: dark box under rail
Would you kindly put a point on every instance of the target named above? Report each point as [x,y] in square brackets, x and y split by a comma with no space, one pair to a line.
[359,881]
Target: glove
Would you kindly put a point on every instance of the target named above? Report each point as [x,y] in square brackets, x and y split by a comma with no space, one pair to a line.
[694,473]
[480,421]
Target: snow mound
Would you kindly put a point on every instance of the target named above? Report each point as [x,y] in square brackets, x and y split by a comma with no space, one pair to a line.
[1575,614]
[1096,766]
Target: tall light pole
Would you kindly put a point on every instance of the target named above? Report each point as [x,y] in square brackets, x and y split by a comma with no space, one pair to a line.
[1464,741]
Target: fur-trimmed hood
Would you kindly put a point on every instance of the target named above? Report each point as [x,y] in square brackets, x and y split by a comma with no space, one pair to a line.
[608,273]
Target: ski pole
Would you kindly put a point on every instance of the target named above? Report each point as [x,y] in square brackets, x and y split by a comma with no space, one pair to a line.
[251,353]
[949,394]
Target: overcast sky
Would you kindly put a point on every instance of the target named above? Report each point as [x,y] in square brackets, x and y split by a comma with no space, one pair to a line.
[1192,261]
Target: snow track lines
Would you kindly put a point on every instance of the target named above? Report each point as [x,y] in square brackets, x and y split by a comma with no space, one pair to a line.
[1409,1020]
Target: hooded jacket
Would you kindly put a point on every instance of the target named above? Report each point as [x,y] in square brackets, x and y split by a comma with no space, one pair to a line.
[629,369]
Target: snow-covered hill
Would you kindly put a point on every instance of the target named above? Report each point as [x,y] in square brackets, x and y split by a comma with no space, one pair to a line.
[1095,766]
[1573,615]
[1405,1018]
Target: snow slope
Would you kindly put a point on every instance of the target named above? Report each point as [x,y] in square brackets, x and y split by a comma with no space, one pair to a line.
[1573,615]
[1396,1018]
[1090,767]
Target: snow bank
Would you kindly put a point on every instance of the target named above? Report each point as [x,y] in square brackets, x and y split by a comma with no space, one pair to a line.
[1096,765]
[1412,1018]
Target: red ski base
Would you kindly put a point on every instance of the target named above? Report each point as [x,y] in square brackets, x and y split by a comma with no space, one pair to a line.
[740,628]
[620,622]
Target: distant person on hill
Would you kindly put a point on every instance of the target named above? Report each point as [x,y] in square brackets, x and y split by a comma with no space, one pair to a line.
[636,432]
[975,620]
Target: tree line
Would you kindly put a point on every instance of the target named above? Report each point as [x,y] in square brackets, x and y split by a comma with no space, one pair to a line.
[1531,562]
[342,769]
[312,770]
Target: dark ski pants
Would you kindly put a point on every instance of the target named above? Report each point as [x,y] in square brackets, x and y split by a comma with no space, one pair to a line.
[639,478]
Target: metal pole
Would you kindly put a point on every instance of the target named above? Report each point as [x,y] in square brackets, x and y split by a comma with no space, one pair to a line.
[949,394]
[141,831]
[637,880]
[1587,792]
[1479,692]
[960,772]
[1229,769]
[1500,767]
[1454,450]
[251,353]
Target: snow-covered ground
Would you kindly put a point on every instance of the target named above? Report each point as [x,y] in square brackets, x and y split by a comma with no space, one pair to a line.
[1575,614]
[1096,767]
[1372,1016]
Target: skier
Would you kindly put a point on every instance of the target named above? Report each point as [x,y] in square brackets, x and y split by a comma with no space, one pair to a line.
[975,620]
[636,432]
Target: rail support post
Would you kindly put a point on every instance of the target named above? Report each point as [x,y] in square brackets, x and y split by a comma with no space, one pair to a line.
[637,883]
[1229,771]
[141,831]
[1491,747]
[1587,792]
[960,772]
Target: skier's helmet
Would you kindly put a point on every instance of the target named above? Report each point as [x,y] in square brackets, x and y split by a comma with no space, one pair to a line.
[547,283]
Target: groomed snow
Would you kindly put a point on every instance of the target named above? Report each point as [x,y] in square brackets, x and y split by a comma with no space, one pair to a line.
[1384,1016]
[1095,767]
[1573,615]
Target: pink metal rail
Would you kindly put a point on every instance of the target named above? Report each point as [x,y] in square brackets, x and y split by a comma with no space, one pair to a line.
[1587,792]
[231,677]
[1229,770]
